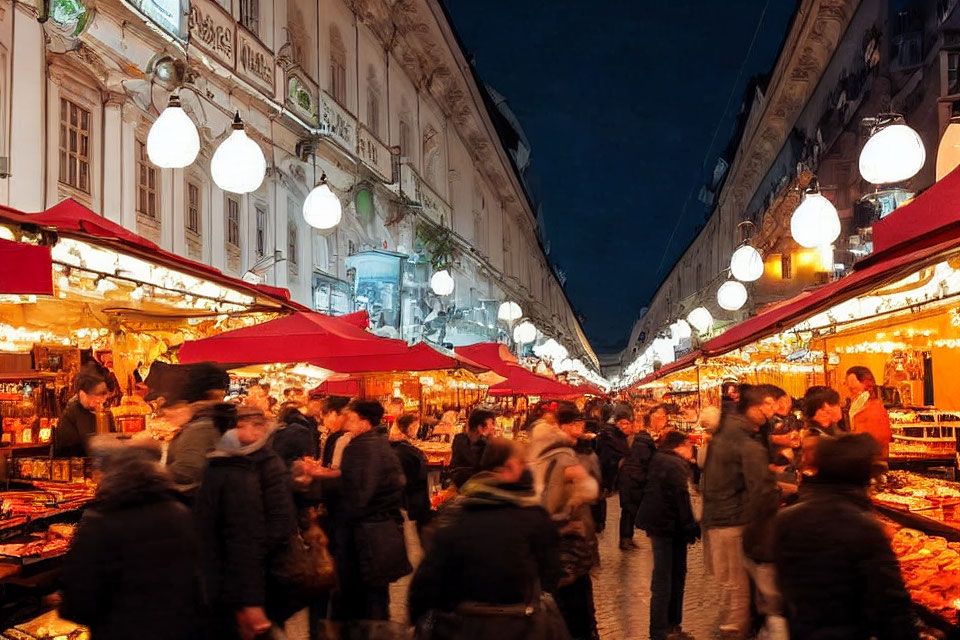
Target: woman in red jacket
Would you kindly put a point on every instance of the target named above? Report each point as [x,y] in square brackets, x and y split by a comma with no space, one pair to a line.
[867,413]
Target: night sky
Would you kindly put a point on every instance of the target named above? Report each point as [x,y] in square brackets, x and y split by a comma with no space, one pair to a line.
[620,100]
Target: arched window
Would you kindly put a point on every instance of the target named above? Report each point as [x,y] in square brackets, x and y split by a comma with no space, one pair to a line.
[338,66]
[431,157]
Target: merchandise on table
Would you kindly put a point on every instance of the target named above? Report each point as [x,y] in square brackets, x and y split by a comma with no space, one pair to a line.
[924,497]
[931,570]
[53,542]
[923,433]
[48,626]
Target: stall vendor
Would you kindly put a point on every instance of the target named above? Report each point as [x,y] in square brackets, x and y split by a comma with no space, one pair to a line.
[79,421]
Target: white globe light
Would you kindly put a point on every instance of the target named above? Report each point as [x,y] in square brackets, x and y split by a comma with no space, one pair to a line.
[238,165]
[442,283]
[700,319]
[173,141]
[525,332]
[948,153]
[815,222]
[509,312]
[561,353]
[892,154]
[322,209]
[680,330]
[746,264]
[731,295]
[663,350]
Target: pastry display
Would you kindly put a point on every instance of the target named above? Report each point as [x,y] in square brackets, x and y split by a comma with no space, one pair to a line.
[925,497]
[931,570]
[48,626]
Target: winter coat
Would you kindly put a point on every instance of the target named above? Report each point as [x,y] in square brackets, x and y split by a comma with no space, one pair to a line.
[233,532]
[496,550]
[612,447]
[134,564]
[77,424]
[372,481]
[665,509]
[839,577]
[187,453]
[296,439]
[870,416]
[465,456]
[328,447]
[635,468]
[567,503]
[736,479]
[416,493]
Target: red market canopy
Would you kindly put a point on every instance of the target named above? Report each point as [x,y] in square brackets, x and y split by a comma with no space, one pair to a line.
[71,219]
[419,357]
[25,269]
[494,356]
[520,382]
[304,336]
[359,319]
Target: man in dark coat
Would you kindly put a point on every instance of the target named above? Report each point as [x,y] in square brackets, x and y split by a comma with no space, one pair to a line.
[613,447]
[666,516]
[134,563]
[493,557]
[78,421]
[371,497]
[416,493]
[736,483]
[295,437]
[633,472]
[467,447]
[839,576]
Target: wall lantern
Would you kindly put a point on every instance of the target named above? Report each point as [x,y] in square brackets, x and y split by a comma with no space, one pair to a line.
[731,295]
[442,283]
[173,141]
[700,319]
[746,264]
[893,153]
[322,209]
[815,222]
[525,332]
[948,153]
[238,164]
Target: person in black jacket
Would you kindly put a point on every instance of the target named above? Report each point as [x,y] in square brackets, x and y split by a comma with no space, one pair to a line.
[371,497]
[78,421]
[666,515]
[839,576]
[467,447]
[633,472]
[494,555]
[296,436]
[133,566]
[613,447]
[416,493]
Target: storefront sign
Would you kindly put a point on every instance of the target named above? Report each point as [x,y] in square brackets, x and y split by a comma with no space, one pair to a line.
[254,62]
[213,30]
[373,153]
[342,125]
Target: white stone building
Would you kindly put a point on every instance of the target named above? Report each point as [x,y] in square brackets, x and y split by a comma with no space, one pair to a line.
[380,90]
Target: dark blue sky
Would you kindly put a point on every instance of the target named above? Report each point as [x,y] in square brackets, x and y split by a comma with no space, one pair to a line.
[620,100]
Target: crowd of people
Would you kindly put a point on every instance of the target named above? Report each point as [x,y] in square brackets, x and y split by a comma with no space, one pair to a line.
[268,517]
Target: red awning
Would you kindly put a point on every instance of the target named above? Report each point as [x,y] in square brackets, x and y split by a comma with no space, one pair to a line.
[348,387]
[520,382]
[357,318]
[25,269]
[866,276]
[419,357]
[303,336]
[494,356]
[71,219]
[677,365]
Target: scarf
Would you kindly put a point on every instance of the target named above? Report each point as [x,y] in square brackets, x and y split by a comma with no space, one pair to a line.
[486,489]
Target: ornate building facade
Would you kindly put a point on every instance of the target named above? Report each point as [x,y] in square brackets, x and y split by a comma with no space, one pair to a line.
[842,62]
[377,95]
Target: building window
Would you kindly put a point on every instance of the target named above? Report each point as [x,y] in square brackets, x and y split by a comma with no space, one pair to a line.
[953,72]
[250,15]
[406,140]
[193,207]
[373,102]
[233,222]
[261,215]
[146,183]
[74,145]
[293,242]
[786,266]
[338,66]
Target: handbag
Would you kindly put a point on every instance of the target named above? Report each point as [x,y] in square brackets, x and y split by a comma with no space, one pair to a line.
[306,564]
[382,552]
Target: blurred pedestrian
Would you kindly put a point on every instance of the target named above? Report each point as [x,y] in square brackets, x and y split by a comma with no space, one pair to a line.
[486,573]
[839,575]
[566,490]
[333,419]
[370,550]
[666,516]
[633,472]
[823,414]
[612,447]
[736,481]
[467,447]
[295,437]
[729,397]
[133,565]
[867,413]
[416,492]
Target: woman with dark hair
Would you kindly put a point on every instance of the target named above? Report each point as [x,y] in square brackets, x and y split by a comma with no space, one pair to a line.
[867,413]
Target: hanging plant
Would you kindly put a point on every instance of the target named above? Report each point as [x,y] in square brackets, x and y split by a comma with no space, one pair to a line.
[437,245]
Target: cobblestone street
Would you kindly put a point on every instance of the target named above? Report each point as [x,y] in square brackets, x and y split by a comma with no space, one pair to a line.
[622,588]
